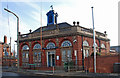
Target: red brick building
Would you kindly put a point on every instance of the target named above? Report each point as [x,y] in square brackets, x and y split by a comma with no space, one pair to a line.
[59,42]
[6,57]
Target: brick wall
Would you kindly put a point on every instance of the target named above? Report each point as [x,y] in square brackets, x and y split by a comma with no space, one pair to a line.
[76,46]
[104,64]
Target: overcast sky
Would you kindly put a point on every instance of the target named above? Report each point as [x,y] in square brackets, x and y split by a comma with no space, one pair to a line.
[29,11]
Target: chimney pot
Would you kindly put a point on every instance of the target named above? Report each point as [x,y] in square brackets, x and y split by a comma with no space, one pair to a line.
[30,30]
[105,32]
[19,33]
[78,23]
[74,23]
[5,39]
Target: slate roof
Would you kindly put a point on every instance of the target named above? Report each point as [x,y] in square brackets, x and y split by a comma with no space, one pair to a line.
[117,48]
[53,27]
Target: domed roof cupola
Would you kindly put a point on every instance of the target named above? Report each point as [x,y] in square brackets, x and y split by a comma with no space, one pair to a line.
[51,17]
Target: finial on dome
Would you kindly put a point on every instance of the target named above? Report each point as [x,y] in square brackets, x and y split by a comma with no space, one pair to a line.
[51,7]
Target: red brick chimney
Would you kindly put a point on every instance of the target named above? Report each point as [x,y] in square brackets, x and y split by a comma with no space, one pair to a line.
[5,39]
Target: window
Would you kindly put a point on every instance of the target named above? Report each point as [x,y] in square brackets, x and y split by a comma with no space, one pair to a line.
[95,45]
[66,44]
[25,55]
[66,55]
[102,46]
[25,47]
[97,49]
[69,55]
[85,43]
[50,18]
[37,55]
[50,45]
[37,46]
[37,58]
[86,53]
[85,49]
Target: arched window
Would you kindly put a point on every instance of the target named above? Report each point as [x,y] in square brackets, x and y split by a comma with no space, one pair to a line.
[37,55]
[37,46]
[95,45]
[102,46]
[85,43]
[85,49]
[25,56]
[25,47]
[50,45]
[66,44]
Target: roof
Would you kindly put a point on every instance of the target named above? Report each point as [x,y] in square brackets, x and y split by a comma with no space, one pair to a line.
[53,27]
[116,48]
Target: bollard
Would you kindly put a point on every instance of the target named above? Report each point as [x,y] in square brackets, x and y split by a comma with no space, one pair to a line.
[53,69]
[86,70]
[68,68]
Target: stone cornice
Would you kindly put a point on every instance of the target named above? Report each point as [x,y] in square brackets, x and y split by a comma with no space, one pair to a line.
[63,35]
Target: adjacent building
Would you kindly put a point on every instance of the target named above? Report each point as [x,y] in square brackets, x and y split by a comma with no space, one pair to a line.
[7,58]
[115,48]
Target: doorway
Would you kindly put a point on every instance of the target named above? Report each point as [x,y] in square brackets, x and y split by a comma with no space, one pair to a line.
[51,59]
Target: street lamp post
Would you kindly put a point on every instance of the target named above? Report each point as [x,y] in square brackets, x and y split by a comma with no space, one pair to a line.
[94,42]
[17,35]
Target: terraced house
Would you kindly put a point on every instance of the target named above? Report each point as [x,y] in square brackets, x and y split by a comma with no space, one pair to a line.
[57,43]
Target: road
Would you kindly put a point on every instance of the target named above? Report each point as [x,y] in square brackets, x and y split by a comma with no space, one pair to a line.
[21,75]
[29,75]
[11,74]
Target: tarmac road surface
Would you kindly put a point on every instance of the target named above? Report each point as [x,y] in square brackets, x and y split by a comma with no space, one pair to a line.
[25,75]
[21,75]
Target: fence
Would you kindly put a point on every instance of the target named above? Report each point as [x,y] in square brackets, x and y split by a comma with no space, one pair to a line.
[71,66]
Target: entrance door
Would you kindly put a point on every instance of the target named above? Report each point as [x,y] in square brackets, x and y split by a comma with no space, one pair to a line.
[51,59]
[66,55]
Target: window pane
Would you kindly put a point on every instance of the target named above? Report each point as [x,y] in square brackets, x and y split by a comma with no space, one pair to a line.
[63,56]
[69,55]
[85,43]
[50,45]
[66,44]
[84,53]
[25,47]
[39,57]
[102,46]
[26,55]
[37,46]
[87,53]
[95,45]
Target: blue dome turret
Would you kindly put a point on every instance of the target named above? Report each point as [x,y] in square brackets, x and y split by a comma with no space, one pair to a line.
[51,17]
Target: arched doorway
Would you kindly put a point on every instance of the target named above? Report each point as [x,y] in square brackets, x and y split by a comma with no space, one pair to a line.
[50,54]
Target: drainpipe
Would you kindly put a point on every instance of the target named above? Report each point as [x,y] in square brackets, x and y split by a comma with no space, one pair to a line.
[82,54]
[99,46]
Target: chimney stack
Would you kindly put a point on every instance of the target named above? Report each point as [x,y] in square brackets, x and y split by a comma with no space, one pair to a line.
[5,39]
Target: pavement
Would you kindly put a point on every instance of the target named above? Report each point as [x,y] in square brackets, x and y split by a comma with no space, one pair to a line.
[74,74]
[62,73]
